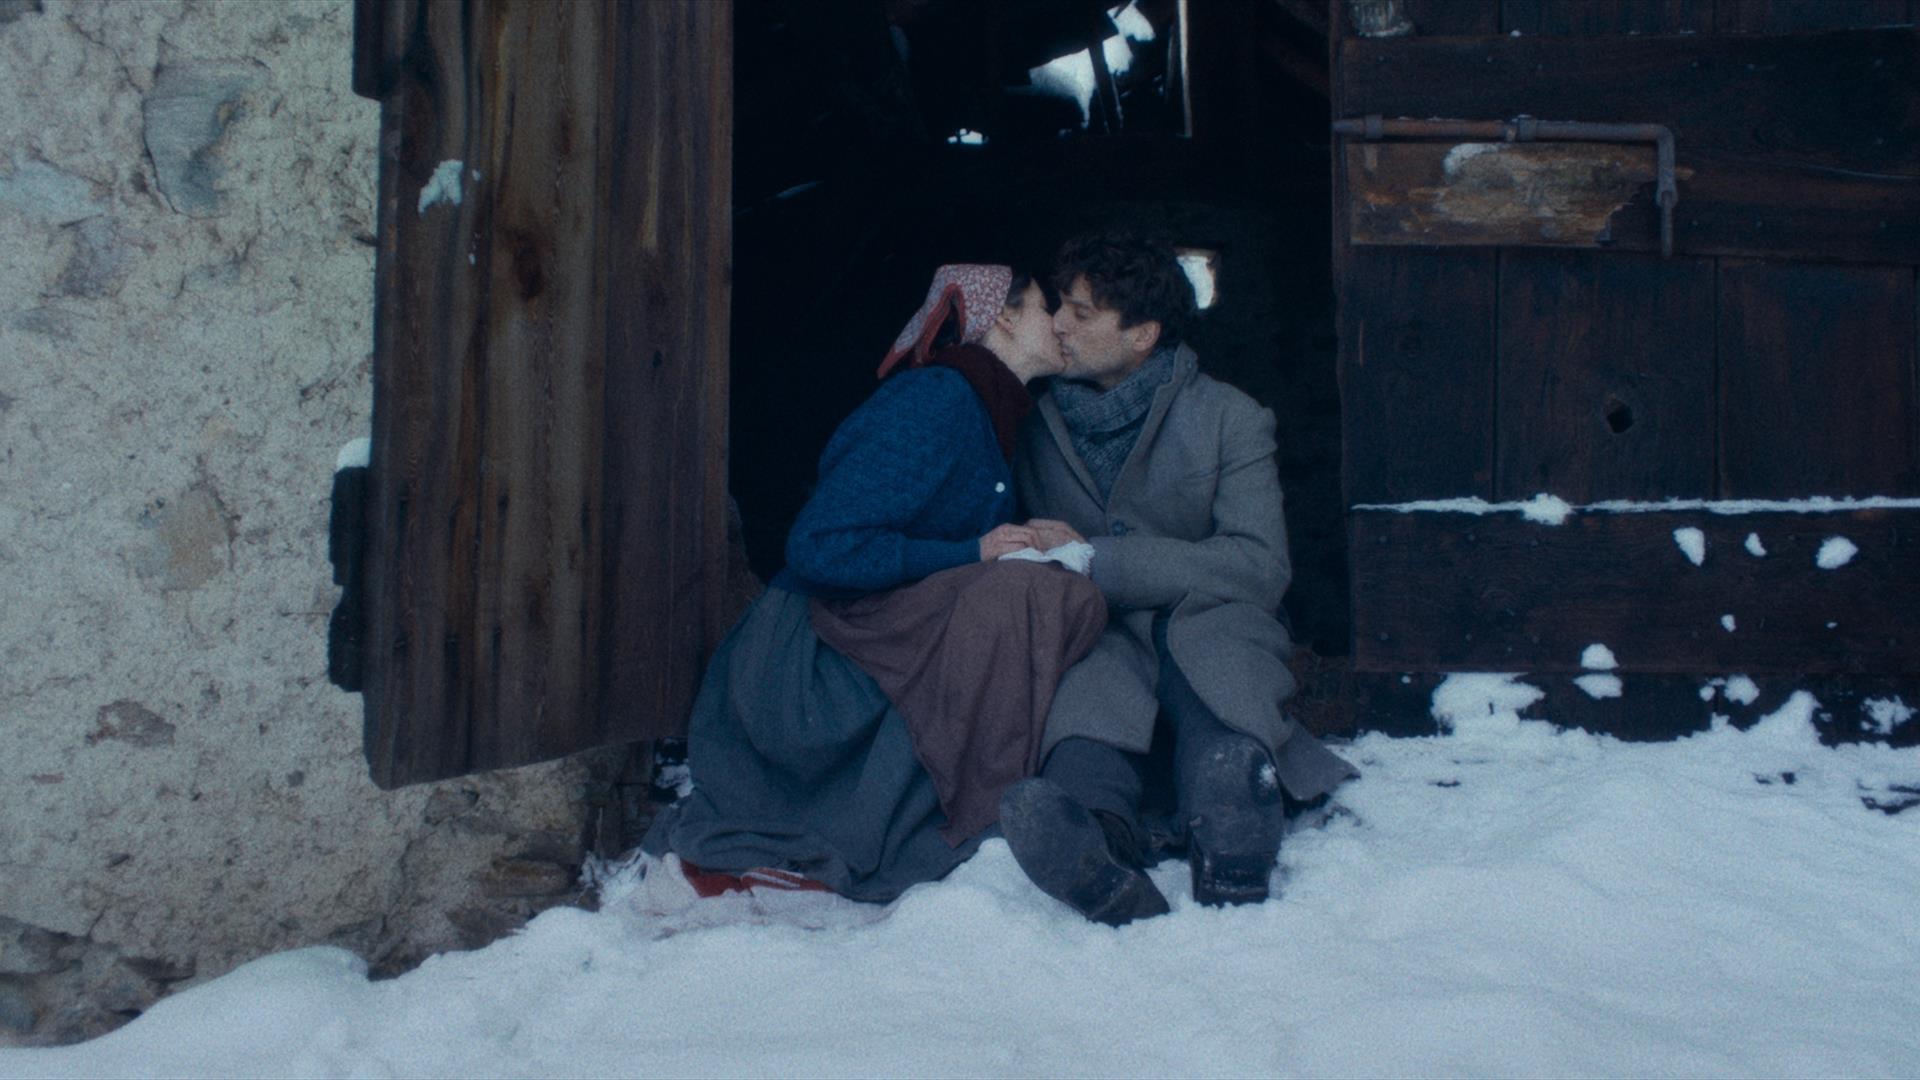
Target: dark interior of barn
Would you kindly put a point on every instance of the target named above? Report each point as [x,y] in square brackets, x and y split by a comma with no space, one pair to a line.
[877,140]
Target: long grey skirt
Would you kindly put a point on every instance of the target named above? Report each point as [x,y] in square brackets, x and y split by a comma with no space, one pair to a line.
[800,763]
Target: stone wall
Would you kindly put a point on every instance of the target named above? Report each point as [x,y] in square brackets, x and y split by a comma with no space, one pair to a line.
[186,217]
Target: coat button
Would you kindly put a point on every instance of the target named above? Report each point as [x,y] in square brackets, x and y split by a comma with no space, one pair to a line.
[1119,528]
[1000,488]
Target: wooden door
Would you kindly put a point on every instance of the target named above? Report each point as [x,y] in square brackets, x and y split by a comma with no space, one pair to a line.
[546,522]
[1510,327]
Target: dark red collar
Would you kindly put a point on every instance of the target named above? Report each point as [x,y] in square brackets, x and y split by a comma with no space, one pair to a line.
[1000,390]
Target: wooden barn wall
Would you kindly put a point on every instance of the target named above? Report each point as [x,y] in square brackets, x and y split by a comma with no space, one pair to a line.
[1774,355]
[546,535]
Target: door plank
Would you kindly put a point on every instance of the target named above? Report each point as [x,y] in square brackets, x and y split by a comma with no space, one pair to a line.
[1781,16]
[1798,145]
[1605,376]
[1416,373]
[526,282]
[1819,391]
[1451,592]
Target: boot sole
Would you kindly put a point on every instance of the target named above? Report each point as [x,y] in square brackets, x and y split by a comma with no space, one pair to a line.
[1063,850]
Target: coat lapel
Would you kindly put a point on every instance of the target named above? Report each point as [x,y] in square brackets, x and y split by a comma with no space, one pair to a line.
[1185,364]
[1057,427]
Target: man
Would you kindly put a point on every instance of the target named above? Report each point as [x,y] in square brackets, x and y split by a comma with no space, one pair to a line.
[1170,476]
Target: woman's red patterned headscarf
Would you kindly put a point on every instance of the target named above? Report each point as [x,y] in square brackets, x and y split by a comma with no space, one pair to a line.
[974,293]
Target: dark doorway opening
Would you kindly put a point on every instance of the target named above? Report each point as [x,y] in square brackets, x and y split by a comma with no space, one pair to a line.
[877,140]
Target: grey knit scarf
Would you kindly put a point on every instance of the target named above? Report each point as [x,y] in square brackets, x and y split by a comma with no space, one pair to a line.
[1104,425]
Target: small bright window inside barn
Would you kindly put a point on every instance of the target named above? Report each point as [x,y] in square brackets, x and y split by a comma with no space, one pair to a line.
[1201,266]
[1072,76]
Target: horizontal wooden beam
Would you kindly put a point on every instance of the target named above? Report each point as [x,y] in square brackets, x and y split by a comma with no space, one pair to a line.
[1494,194]
[1460,592]
[1655,707]
[1789,145]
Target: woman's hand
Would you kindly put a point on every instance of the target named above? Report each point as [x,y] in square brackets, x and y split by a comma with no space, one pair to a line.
[1049,534]
[1006,538]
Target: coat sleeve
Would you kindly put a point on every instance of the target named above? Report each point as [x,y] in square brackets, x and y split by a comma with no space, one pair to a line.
[1245,557]
[880,471]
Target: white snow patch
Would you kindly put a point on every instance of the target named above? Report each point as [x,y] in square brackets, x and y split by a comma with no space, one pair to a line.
[1727,623]
[1564,905]
[1071,76]
[1597,657]
[355,454]
[1463,702]
[1546,509]
[1835,552]
[1599,686]
[443,186]
[967,137]
[1885,714]
[1710,688]
[1755,547]
[1199,270]
[1742,690]
[1693,542]
[1458,157]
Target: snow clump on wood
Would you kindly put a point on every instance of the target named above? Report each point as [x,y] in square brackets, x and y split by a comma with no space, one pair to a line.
[1464,702]
[1599,686]
[1835,552]
[1597,657]
[1694,543]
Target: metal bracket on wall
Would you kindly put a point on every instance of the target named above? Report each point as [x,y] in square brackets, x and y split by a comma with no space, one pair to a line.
[1528,129]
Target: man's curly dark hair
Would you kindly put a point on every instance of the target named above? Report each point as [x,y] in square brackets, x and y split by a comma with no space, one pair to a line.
[1134,274]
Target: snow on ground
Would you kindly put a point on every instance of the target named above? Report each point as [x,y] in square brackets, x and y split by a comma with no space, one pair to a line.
[1505,899]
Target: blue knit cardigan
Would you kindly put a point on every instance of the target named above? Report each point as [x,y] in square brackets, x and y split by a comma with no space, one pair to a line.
[908,485]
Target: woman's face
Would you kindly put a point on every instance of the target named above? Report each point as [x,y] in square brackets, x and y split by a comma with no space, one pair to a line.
[1036,351]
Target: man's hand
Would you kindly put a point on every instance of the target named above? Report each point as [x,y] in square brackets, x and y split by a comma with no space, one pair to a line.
[1049,534]
[1007,538]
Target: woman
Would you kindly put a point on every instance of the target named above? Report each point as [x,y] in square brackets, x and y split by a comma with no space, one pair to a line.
[858,725]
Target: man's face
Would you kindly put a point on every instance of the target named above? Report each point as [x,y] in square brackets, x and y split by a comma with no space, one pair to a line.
[1093,344]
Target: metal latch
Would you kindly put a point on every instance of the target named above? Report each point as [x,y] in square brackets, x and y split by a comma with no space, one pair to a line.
[1527,129]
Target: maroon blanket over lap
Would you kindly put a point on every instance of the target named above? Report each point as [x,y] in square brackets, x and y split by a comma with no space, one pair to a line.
[971,656]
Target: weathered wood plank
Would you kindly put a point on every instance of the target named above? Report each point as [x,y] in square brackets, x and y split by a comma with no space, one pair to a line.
[663,592]
[1852,708]
[1416,373]
[1782,16]
[1599,17]
[1841,99]
[506,273]
[1819,383]
[1600,195]
[419,373]
[1448,592]
[1488,194]
[1804,146]
[1605,376]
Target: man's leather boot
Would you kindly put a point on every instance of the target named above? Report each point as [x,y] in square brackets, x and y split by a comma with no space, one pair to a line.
[1081,858]
[1234,819]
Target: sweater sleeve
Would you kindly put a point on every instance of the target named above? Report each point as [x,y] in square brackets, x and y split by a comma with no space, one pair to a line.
[1245,557]
[880,470]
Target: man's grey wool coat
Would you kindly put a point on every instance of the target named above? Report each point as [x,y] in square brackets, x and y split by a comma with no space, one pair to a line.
[1194,527]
